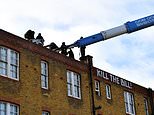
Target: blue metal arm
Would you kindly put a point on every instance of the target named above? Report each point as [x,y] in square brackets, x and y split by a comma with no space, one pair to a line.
[128,27]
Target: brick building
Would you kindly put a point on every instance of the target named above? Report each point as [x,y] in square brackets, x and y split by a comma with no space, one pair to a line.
[37,81]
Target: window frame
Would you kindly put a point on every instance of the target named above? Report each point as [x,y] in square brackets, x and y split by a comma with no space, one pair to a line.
[129,106]
[73,87]
[97,88]
[146,108]
[8,109]
[108,91]
[10,66]
[44,75]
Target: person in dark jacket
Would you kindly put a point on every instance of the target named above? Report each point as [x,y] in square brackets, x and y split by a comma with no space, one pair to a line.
[40,38]
[63,49]
[71,54]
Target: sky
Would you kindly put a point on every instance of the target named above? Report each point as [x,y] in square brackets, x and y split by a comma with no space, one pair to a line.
[130,56]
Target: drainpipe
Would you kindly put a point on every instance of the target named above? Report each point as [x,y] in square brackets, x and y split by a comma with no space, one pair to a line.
[88,60]
[150,92]
[90,64]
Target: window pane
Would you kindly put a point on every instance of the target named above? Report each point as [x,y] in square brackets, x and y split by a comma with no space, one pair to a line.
[69,80]
[146,106]
[69,89]
[2,108]
[69,84]
[13,109]
[75,80]
[3,68]
[13,64]
[126,102]
[75,91]
[78,80]
[13,71]
[3,54]
[44,81]
[78,91]
[14,58]
[76,85]
[44,68]
[131,102]
[125,96]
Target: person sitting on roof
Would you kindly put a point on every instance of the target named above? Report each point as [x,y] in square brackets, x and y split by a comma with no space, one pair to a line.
[53,46]
[63,49]
[29,35]
[40,39]
[71,54]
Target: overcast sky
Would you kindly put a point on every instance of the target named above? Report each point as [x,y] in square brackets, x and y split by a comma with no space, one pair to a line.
[130,56]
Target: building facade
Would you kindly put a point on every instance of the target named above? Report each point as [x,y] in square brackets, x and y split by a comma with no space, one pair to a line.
[37,81]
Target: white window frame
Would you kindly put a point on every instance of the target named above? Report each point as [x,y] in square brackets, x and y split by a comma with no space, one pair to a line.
[10,109]
[44,75]
[146,106]
[11,61]
[45,113]
[73,84]
[108,91]
[129,103]
[97,88]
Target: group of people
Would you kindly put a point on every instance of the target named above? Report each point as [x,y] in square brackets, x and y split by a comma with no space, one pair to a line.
[29,35]
[64,48]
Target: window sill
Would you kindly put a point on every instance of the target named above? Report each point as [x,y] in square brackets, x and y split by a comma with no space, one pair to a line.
[45,88]
[45,92]
[129,114]
[77,98]
[109,100]
[9,78]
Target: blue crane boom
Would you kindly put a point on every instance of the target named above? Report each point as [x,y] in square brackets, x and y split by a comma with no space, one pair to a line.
[128,27]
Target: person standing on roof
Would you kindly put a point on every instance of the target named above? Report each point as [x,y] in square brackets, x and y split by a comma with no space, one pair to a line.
[82,50]
[63,49]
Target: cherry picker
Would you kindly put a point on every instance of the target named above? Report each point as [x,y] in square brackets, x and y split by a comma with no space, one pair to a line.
[127,27]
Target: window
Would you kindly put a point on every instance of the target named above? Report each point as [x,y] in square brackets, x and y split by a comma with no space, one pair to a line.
[9,63]
[146,106]
[73,84]
[45,113]
[129,103]
[108,91]
[97,88]
[44,74]
[8,109]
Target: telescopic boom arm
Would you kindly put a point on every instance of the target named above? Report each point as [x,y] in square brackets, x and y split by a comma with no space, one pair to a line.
[128,27]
